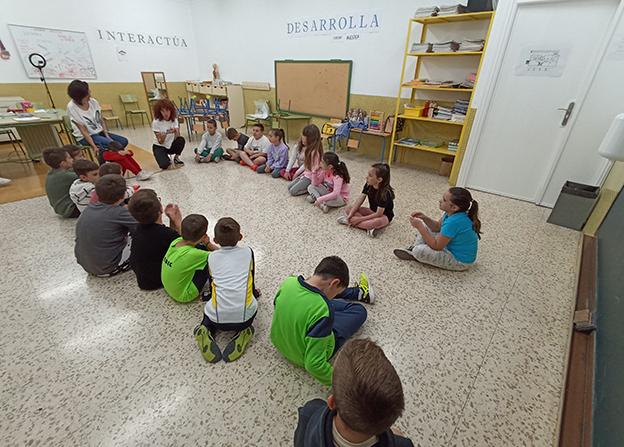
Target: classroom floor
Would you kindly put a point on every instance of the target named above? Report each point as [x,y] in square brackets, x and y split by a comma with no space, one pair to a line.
[97,362]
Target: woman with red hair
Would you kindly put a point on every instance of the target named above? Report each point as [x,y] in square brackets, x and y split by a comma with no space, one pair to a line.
[167,139]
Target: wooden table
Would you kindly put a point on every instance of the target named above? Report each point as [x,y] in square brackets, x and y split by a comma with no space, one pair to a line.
[36,135]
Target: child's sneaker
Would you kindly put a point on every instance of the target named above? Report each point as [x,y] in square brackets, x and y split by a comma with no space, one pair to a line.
[236,347]
[144,175]
[404,253]
[217,159]
[207,344]
[178,162]
[311,198]
[254,167]
[227,157]
[242,163]
[368,296]
[202,160]
[325,208]
[343,220]
[372,232]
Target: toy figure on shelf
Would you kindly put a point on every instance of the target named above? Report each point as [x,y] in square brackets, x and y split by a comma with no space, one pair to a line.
[215,72]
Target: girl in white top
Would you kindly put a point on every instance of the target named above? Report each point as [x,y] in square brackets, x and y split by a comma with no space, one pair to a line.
[88,126]
[297,157]
[167,139]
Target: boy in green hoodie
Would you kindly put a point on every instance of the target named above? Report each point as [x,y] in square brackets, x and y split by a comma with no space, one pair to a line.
[59,180]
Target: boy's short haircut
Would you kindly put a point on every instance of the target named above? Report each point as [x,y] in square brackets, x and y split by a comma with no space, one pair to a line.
[115,146]
[261,126]
[194,226]
[332,267]
[367,389]
[227,232]
[78,90]
[83,167]
[211,121]
[110,188]
[231,133]
[72,150]
[145,206]
[110,168]
[54,156]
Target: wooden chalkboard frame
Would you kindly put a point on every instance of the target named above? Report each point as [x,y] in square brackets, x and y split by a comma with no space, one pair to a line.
[303,110]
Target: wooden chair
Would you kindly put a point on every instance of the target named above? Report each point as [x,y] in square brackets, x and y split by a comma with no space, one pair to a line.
[112,117]
[86,150]
[127,101]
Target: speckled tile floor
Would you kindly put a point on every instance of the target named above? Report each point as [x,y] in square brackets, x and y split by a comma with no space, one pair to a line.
[97,362]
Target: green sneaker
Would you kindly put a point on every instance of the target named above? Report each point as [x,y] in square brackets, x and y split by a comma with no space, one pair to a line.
[368,296]
[236,347]
[207,344]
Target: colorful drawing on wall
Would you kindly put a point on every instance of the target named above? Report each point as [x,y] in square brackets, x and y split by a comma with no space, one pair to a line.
[4,54]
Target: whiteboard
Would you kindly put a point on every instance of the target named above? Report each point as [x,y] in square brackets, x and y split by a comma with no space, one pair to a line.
[66,52]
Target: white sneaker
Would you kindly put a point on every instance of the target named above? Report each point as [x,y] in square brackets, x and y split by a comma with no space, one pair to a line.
[325,208]
[4,181]
[343,220]
[144,175]
[311,198]
[217,159]
[372,233]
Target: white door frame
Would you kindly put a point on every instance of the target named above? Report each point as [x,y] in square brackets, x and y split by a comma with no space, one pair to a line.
[488,96]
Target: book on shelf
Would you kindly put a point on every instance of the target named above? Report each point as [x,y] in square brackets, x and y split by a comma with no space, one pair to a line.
[471,45]
[409,142]
[426,11]
[453,145]
[421,48]
[449,10]
[430,83]
[444,47]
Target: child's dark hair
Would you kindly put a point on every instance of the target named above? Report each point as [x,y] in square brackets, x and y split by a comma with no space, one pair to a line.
[332,267]
[54,156]
[72,150]
[227,232]
[78,90]
[110,188]
[314,144]
[340,168]
[83,167]
[462,198]
[382,171]
[231,133]
[145,206]
[367,389]
[110,168]
[211,121]
[279,133]
[259,126]
[194,226]
[115,146]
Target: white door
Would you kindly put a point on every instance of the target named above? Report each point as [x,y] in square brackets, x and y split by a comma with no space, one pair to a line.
[522,134]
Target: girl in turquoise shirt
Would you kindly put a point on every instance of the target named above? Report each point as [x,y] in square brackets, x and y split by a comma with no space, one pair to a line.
[451,242]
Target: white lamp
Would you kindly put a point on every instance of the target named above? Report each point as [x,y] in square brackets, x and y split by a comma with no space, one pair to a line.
[612,146]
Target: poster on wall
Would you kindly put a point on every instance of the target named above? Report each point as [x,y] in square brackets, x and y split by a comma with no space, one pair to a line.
[4,53]
[542,60]
[66,53]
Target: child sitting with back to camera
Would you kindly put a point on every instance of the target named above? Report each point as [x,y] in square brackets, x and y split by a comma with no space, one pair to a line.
[330,188]
[74,152]
[210,147]
[277,154]
[124,157]
[451,242]
[232,304]
[114,168]
[367,399]
[380,198]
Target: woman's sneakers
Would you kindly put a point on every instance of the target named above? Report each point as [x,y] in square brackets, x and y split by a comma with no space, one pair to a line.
[207,344]
[178,162]
[144,175]
[236,347]
[367,295]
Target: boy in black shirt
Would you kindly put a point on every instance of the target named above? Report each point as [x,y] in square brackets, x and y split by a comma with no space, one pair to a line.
[240,138]
[151,239]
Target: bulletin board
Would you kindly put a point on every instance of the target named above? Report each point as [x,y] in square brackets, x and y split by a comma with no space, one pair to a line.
[317,88]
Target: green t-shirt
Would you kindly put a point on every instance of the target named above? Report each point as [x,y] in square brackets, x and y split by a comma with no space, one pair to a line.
[57,186]
[178,269]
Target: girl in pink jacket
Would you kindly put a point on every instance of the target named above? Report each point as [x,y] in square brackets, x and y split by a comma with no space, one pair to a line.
[330,185]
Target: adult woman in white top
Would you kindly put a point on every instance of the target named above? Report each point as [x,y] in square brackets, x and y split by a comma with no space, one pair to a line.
[87,122]
[167,139]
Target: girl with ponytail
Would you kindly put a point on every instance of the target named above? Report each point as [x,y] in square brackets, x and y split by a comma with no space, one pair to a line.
[380,198]
[311,141]
[451,242]
[277,154]
[330,188]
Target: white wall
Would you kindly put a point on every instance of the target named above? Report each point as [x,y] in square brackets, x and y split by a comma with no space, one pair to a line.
[170,18]
[256,36]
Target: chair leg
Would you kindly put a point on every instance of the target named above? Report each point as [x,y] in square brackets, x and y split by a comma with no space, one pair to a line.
[132,119]
[127,125]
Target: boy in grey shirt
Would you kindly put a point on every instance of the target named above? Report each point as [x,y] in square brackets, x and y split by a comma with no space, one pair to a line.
[102,239]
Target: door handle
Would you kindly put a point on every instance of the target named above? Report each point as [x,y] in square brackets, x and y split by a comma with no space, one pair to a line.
[568,112]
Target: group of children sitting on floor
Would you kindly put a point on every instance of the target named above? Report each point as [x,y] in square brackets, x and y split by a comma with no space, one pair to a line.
[121,227]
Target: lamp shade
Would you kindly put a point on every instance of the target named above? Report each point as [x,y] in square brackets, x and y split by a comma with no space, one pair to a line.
[612,146]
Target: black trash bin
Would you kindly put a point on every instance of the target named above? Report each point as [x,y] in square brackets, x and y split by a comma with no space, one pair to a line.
[574,205]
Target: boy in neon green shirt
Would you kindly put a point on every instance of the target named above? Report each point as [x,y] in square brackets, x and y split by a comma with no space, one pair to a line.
[185,266]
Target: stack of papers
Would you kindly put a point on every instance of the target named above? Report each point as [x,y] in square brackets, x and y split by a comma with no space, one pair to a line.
[449,10]
[445,47]
[452,146]
[426,11]
[460,109]
[409,142]
[430,83]
[421,48]
[469,82]
[442,113]
[472,45]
